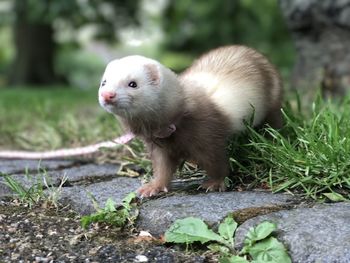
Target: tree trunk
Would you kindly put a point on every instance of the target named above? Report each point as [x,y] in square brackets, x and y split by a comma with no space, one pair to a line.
[35,49]
[321,32]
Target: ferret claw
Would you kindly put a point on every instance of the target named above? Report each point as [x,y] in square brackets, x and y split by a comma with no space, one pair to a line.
[150,189]
[211,186]
[139,195]
[209,189]
[201,187]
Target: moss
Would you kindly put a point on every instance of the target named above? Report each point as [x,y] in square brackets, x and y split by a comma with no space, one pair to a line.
[243,215]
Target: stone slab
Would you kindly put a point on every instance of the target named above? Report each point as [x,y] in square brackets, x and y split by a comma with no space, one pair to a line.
[319,234]
[157,215]
[19,166]
[78,174]
[79,197]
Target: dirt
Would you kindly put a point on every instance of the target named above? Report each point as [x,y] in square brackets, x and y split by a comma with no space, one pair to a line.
[49,234]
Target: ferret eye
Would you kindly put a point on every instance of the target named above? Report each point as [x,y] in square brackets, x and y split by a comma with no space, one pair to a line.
[103,83]
[132,84]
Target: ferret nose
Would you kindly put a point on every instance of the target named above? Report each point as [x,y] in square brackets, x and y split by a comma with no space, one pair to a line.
[108,96]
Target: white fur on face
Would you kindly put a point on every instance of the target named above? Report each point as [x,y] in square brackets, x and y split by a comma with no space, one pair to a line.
[129,101]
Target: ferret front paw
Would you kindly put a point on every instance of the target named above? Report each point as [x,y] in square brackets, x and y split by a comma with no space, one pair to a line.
[213,185]
[151,189]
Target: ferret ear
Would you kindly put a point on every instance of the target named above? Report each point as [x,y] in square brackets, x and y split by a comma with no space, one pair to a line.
[153,73]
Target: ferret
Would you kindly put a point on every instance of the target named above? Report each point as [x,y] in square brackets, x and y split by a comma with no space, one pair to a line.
[190,116]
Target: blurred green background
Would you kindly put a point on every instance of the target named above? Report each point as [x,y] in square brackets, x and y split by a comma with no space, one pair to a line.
[53,53]
[70,41]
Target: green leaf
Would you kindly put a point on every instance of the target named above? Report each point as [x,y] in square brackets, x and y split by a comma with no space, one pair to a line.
[128,199]
[217,248]
[227,229]
[259,232]
[269,250]
[335,197]
[85,221]
[15,186]
[189,230]
[110,214]
[89,219]
[110,205]
[233,259]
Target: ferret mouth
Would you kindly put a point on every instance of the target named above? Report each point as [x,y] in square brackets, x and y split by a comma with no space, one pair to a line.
[115,107]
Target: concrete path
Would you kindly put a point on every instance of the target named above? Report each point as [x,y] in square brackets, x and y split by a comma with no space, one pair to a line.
[312,233]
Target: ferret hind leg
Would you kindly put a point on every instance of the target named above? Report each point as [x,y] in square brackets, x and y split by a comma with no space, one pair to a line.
[217,170]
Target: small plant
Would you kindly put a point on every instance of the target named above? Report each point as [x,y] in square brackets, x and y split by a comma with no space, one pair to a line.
[31,195]
[112,215]
[258,244]
[54,192]
[36,192]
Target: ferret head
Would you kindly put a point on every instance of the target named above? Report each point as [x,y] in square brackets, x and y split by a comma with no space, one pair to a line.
[137,87]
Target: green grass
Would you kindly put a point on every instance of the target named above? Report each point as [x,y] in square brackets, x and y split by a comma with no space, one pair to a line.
[311,155]
[33,193]
[25,195]
[50,118]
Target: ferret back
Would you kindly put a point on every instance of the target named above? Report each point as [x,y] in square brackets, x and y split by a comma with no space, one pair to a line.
[239,80]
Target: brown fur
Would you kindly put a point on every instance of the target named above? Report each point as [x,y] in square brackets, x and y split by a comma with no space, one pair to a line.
[202,129]
[201,136]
